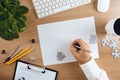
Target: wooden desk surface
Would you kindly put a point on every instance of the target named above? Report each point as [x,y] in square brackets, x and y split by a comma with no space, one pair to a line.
[69,71]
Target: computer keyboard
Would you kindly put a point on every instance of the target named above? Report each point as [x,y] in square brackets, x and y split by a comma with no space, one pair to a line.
[46,8]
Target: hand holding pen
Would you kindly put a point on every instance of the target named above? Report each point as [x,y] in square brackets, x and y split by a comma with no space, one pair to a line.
[80,51]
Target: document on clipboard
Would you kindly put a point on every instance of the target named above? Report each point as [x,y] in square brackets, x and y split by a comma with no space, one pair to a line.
[26,71]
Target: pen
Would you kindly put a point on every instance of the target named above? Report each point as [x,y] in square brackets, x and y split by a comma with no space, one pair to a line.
[80,48]
[11,54]
[13,51]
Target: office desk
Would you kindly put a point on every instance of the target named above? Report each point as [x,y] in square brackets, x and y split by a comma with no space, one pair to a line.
[69,71]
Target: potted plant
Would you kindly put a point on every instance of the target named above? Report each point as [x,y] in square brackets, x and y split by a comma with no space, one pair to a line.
[12,19]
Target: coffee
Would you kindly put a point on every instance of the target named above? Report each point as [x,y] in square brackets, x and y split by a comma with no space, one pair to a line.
[117,27]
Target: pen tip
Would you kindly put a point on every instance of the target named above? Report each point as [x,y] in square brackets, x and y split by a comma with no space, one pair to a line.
[7,59]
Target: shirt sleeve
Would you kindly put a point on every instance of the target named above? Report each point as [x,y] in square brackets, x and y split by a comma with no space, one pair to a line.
[93,72]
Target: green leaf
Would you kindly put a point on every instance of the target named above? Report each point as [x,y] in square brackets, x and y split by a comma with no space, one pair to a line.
[4,16]
[7,35]
[0,33]
[11,1]
[23,18]
[22,29]
[3,3]
[17,15]
[22,9]
[15,35]
[20,24]
[17,3]
[13,28]
[10,36]
[11,8]
[1,9]
[3,26]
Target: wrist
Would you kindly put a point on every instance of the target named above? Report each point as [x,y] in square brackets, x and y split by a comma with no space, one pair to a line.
[84,61]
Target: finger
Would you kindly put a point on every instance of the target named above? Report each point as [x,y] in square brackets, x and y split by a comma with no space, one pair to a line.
[75,41]
[74,51]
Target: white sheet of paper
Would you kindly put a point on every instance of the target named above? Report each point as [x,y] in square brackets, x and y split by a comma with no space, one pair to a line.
[57,37]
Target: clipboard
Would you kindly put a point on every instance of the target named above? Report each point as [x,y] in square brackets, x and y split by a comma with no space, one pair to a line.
[27,71]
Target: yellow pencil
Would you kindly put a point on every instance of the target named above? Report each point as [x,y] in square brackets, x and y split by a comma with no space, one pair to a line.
[27,52]
[18,54]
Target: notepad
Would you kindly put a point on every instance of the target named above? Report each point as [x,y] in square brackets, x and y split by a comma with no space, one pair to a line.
[56,38]
[26,71]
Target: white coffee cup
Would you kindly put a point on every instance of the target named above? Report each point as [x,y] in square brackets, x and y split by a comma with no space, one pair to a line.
[113,27]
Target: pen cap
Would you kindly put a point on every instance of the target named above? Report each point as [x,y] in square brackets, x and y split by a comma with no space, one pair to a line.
[113,27]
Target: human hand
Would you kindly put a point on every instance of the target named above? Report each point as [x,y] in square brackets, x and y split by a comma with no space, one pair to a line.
[81,55]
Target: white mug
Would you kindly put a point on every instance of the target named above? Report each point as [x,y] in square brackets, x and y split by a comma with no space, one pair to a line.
[113,27]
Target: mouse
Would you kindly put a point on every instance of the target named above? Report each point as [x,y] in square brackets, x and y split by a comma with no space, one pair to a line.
[103,5]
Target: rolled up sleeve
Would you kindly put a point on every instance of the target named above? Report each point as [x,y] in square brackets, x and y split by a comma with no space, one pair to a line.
[93,72]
